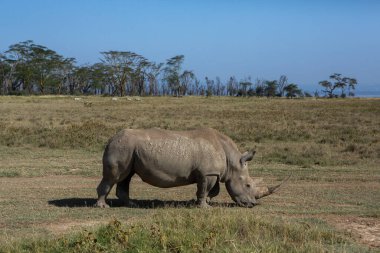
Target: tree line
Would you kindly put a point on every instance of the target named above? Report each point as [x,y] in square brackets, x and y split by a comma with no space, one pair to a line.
[27,68]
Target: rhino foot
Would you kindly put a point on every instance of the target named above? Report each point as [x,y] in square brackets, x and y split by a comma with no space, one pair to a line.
[101,204]
[203,204]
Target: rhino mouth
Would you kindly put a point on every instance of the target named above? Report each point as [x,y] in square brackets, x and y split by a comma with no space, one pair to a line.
[245,203]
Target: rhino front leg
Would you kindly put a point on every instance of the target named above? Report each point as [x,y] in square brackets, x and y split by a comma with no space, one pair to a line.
[122,190]
[103,189]
[204,186]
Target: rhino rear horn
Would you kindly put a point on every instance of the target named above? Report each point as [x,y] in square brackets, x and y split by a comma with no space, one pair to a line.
[247,156]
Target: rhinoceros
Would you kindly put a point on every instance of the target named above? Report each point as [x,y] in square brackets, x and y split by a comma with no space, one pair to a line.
[164,158]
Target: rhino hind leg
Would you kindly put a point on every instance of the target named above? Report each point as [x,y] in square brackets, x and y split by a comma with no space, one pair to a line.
[103,189]
[214,190]
[122,190]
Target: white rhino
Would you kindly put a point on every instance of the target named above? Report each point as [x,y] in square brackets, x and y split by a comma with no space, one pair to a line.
[166,159]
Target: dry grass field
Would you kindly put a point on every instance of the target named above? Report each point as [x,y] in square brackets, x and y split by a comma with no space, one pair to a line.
[50,165]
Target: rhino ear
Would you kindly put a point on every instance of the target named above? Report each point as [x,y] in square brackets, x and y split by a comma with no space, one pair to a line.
[247,156]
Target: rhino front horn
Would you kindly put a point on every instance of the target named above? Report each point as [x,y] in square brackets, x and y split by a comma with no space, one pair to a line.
[265,191]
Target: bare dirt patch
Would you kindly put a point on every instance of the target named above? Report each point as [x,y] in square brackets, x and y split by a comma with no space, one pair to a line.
[365,230]
[68,226]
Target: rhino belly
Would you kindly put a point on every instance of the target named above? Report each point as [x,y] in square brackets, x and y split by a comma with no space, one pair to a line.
[164,176]
[165,169]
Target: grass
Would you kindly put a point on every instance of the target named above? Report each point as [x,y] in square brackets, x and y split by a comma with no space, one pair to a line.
[50,165]
[184,231]
[331,130]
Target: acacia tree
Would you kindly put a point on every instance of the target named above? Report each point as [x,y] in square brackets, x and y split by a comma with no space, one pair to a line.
[232,86]
[64,72]
[281,84]
[260,87]
[338,82]
[118,64]
[138,76]
[35,66]
[219,87]
[195,87]
[177,82]
[351,83]
[186,78]
[82,80]
[292,90]
[210,84]
[172,69]
[100,78]
[122,66]
[5,74]
[45,64]
[270,88]
[245,85]
[19,58]
[329,88]
[153,72]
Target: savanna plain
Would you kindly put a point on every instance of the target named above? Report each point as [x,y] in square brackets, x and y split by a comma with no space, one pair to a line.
[50,165]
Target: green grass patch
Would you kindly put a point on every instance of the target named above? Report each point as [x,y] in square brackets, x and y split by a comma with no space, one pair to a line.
[201,231]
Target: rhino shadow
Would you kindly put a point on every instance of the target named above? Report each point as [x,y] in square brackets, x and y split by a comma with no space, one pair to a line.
[145,204]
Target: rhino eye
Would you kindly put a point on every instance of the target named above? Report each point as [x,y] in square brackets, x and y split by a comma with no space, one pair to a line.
[248,185]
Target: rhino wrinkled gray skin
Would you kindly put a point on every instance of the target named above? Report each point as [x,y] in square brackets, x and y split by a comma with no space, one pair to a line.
[166,159]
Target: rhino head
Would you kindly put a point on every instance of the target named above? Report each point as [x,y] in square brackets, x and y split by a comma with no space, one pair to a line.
[242,188]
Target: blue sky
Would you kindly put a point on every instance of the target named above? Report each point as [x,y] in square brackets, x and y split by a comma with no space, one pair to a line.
[305,40]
